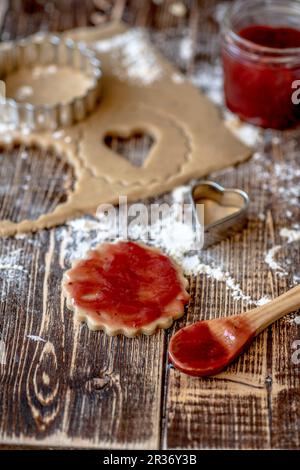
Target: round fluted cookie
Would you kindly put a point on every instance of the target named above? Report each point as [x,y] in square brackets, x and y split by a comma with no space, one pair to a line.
[126,288]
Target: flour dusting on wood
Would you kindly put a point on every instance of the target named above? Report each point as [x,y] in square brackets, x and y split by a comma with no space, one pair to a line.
[134,54]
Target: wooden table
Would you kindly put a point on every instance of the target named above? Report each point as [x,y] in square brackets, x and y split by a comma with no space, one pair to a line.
[62,385]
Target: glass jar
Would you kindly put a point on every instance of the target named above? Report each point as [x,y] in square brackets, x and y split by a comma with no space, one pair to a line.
[259,79]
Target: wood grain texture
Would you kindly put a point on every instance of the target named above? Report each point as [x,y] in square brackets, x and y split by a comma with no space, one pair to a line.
[62,385]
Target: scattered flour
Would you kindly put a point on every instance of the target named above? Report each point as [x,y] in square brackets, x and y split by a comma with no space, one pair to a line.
[21,236]
[186,49]
[181,193]
[178,9]
[134,54]
[58,134]
[2,353]
[44,71]
[271,261]
[13,274]
[220,11]
[36,338]
[245,132]
[12,266]
[289,214]
[192,266]
[293,318]
[202,78]
[23,93]
[290,235]
[68,139]
[178,78]
[172,232]
[263,301]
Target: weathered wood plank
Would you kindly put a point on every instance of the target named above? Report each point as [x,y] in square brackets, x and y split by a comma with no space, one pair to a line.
[255,403]
[60,383]
[285,385]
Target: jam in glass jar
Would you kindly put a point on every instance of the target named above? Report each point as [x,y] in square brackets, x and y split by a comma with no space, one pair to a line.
[261,61]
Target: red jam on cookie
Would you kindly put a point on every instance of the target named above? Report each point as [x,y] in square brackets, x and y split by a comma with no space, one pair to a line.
[126,288]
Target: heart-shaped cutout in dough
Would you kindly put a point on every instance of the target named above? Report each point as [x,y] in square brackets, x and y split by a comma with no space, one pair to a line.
[166,157]
[134,146]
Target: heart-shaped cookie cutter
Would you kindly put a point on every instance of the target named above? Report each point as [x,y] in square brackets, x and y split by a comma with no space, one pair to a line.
[219,228]
[45,49]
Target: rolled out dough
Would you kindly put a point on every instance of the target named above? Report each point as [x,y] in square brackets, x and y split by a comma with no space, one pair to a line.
[48,84]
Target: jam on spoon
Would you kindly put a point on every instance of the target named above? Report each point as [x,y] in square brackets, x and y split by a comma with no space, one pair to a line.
[207,347]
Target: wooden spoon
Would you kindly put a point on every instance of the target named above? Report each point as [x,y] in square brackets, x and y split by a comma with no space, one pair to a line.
[206,347]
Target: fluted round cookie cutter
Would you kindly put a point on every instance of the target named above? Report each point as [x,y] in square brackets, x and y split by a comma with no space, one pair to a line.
[43,50]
